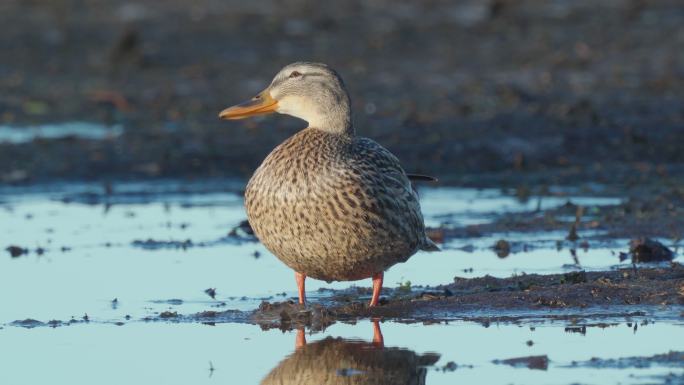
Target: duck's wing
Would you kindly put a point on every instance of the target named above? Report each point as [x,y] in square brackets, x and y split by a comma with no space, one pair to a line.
[391,187]
[384,170]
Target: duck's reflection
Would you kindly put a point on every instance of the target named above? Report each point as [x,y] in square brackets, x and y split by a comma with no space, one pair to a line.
[340,361]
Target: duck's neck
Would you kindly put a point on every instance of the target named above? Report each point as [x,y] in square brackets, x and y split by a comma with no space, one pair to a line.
[335,118]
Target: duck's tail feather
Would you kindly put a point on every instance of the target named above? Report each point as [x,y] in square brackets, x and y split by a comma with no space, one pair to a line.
[429,245]
[421,178]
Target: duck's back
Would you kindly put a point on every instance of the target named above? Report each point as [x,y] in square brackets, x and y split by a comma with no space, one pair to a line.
[335,207]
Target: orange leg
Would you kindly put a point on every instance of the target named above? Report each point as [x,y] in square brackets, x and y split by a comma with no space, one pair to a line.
[301,339]
[300,286]
[377,286]
[377,334]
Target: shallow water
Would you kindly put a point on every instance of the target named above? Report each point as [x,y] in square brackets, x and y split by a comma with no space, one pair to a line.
[84,130]
[467,206]
[95,251]
[88,254]
[244,354]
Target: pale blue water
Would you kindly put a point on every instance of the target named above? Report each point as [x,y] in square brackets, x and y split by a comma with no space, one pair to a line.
[85,130]
[158,353]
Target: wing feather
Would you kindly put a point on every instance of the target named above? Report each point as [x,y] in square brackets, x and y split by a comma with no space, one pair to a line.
[395,186]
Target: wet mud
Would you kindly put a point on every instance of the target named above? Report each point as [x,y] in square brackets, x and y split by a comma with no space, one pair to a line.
[232,237]
[671,359]
[656,211]
[531,362]
[581,294]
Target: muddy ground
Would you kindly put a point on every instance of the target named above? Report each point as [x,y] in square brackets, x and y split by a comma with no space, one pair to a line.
[476,92]
[585,295]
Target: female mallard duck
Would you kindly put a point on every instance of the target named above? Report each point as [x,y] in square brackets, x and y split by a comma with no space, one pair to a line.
[329,204]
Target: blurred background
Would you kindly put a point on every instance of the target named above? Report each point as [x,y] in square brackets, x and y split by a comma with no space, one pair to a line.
[472,91]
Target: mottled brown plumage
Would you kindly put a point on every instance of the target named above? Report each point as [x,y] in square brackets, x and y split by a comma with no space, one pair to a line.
[329,204]
[335,207]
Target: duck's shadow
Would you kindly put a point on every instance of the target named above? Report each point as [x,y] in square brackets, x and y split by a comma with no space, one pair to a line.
[343,361]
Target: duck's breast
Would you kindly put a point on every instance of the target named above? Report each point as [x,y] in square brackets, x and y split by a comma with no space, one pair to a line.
[326,215]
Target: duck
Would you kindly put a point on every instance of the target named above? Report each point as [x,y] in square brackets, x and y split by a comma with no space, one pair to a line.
[331,205]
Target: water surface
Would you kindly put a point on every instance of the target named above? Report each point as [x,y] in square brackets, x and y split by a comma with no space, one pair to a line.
[122,252]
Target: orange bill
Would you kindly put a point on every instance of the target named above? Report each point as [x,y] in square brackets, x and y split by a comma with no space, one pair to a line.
[258,105]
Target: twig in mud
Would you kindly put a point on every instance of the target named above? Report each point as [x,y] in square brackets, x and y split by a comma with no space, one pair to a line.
[573,236]
[573,253]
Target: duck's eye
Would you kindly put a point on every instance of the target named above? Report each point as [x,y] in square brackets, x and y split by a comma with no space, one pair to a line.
[294,74]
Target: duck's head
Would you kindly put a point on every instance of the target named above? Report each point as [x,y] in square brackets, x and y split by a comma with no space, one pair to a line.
[310,91]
